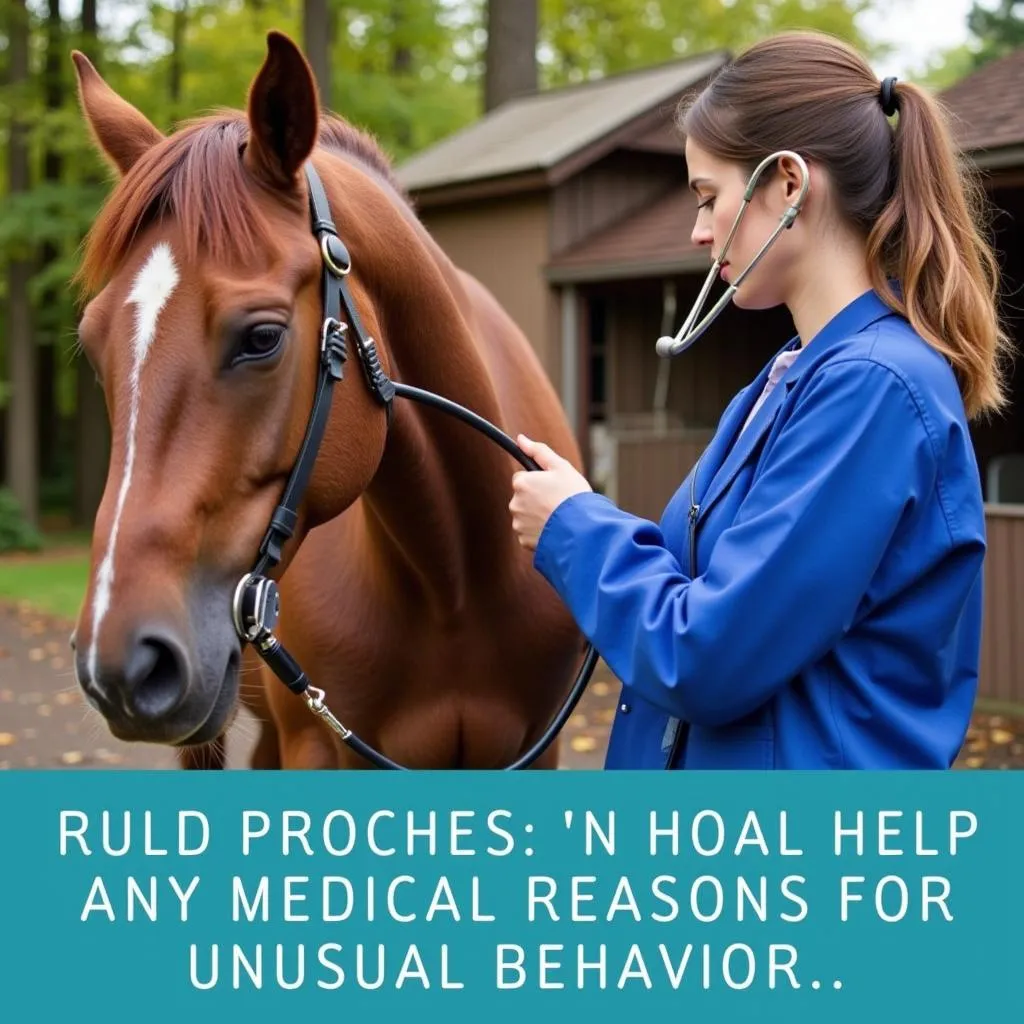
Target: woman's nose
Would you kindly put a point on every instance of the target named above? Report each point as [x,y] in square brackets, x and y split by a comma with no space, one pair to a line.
[701,234]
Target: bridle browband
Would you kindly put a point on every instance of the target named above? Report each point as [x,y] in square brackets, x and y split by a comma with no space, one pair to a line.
[256,604]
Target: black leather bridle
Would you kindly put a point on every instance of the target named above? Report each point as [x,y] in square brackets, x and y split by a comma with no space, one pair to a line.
[256,605]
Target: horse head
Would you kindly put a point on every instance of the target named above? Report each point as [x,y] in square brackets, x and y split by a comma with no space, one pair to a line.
[203,325]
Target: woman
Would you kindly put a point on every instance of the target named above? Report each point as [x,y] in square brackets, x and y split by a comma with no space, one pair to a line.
[812,597]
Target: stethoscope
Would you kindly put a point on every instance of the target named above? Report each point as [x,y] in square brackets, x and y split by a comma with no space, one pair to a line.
[688,334]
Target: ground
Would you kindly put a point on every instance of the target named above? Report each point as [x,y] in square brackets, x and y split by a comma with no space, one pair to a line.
[44,722]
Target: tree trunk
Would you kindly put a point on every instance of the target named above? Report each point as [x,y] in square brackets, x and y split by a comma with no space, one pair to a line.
[511,51]
[177,73]
[401,67]
[92,434]
[316,42]
[48,337]
[22,437]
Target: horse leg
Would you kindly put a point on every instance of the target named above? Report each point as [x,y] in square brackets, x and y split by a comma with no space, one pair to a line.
[266,755]
[310,748]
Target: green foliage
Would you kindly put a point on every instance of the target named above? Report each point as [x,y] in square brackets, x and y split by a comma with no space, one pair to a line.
[947,67]
[998,30]
[15,533]
[994,32]
[583,40]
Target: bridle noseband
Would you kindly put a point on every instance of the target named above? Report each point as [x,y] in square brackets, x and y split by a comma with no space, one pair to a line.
[256,604]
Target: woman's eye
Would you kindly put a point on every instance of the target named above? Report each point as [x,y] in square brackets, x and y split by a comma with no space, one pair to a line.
[260,342]
[709,203]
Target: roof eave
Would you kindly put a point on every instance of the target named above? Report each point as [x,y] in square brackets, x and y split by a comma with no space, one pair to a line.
[594,273]
[479,188]
[999,158]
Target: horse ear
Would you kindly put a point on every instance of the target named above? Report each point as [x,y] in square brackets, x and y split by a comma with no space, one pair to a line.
[284,113]
[122,132]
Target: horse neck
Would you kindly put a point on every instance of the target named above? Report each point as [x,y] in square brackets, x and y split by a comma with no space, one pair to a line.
[438,504]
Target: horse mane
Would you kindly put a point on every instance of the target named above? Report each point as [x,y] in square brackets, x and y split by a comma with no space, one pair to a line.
[197,176]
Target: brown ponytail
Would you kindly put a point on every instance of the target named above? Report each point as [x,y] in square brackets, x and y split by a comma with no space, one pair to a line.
[928,238]
[920,211]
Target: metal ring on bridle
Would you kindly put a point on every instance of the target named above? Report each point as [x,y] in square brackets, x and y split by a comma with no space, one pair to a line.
[236,608]
[332,263]
[688,334]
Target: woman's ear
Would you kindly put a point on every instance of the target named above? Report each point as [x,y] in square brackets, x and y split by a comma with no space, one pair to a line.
[792,178]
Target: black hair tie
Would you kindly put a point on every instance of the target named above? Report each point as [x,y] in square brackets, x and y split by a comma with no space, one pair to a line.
[889,100]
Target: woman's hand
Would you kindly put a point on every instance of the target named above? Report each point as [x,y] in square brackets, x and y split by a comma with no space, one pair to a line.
[537,493]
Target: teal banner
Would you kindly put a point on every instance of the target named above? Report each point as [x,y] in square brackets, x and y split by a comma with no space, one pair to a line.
[726,897]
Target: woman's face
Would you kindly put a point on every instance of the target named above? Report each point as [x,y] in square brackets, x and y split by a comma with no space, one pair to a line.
[719,186]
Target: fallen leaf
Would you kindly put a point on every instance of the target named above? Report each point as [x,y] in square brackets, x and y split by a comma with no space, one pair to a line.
[605,716]
[108,757]
[72,757]
[974,762]
[7,739]
[66,697]
[1001,737]
[6,696]
[600,689]
[583,744]
[45,710]
[577,721]
[36,654]
[4,653]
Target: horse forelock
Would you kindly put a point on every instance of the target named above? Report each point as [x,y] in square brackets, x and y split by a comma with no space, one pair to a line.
[198,178]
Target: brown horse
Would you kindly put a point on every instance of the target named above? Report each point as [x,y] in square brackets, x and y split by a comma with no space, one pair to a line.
[405,595]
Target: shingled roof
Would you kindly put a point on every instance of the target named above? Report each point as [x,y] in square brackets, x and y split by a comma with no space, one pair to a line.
[988,106]
[538,132]
[653,242]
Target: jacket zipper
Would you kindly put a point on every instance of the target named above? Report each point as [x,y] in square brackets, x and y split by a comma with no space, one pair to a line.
[682,728]
[694,512]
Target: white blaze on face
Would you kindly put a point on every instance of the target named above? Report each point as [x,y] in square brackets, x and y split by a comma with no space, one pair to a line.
[151,289]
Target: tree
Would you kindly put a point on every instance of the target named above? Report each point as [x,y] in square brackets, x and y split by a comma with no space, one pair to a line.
[22,436]
[48,327]
[511,50]
[998,31]
[581,40]
[92,435]
[316,42]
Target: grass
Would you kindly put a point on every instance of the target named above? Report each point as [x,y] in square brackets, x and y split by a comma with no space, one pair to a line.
[53,584]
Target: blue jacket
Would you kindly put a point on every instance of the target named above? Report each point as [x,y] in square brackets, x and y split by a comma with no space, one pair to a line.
[812,595]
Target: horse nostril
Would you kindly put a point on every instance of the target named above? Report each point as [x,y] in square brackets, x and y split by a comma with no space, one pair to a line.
[156,678]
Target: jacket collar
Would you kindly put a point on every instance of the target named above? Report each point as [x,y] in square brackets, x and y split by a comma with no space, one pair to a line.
[723,458]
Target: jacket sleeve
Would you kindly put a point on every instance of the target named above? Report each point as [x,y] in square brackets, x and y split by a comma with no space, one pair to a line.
[783,581]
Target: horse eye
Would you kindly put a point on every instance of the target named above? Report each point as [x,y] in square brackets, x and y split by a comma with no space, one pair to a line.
[260,342]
